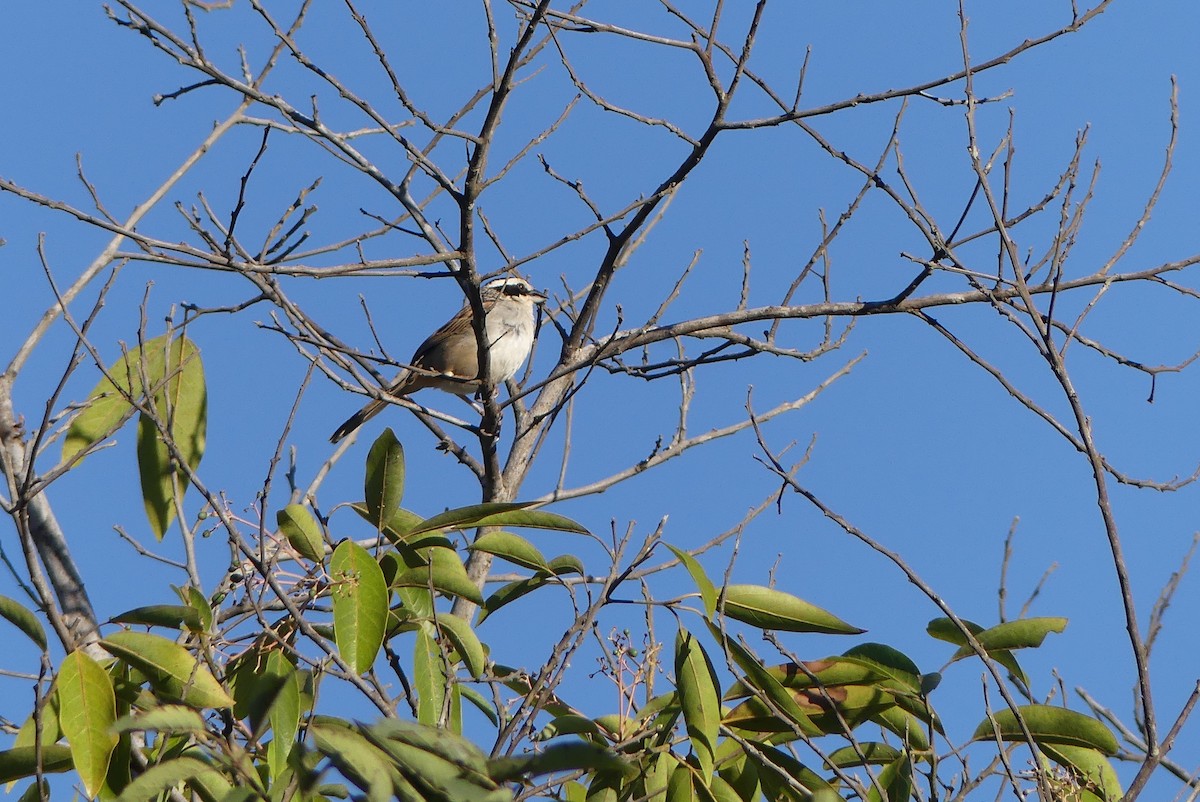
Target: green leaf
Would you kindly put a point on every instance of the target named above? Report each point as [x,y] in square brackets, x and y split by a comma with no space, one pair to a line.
[171,616]
[22,761]
[895,781]
[480,702]
[498,514]
[681,786]
[444,572]
[196,600]
[87,708]
[108,401]
[429,677]
[50,731]
[514,548]
[606,786]
[892,662]
[506,594]
[1091,769]
[397,527]
[465,642]
[1050,725]
[761,679]
[36,793]
[1024,633]
[170,719]
[708,592]
[767,608]
[657,775]
[911,726]
[945,629]
[863,753]
[384,482]
[443,765]
[574,756]
[285,712]
[168,774]
[360,605]
[569,724]
[778,770]
[23,619]
[169,667]
[699,697]
[363,763]
[301,531]
[180,402]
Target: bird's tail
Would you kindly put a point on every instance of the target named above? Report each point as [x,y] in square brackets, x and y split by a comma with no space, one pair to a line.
[357,419]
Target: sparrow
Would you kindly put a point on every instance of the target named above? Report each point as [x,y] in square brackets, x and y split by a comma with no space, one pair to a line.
[449,358]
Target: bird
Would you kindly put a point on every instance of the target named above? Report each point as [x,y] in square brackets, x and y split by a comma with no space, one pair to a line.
[449,358]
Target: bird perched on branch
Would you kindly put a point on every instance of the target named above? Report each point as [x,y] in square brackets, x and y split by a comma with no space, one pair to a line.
[449,358]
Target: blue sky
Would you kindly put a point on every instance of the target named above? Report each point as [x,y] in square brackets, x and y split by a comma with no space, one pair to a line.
[916,446]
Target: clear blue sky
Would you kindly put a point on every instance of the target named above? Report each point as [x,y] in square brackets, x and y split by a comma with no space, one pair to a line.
[916,446]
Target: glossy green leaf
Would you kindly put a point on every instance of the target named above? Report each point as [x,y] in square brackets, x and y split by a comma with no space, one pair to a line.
[606,786]
[1024,633]
[657,775]
[384,483]
[465,642]
[360,605]
[285,712]
[682,786]
[569,724]
[573,756]
[480,703]
[170,668]
[22,761]
[87,709]
[699,697]
[1092,770]
[166,775]
[180,402]
[498,514]
[302,531]
[362,762]
[36,793]
[108,401]
[895,782]
[708,591]
[439,763]
[863,753]
[945,629]
[783,776]
[170,719]
[398,526]
[196,600]
[892,662]
[170,616]
[23,619]
[767,608]
[50,732]
[448,746]
[1050,725]
[560,566]
[253,690]
[913,728]
[510,547]
[429,679]
[444,573]
[760,678]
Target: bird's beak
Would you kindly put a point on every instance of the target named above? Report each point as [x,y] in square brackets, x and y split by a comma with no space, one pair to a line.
[538,297]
